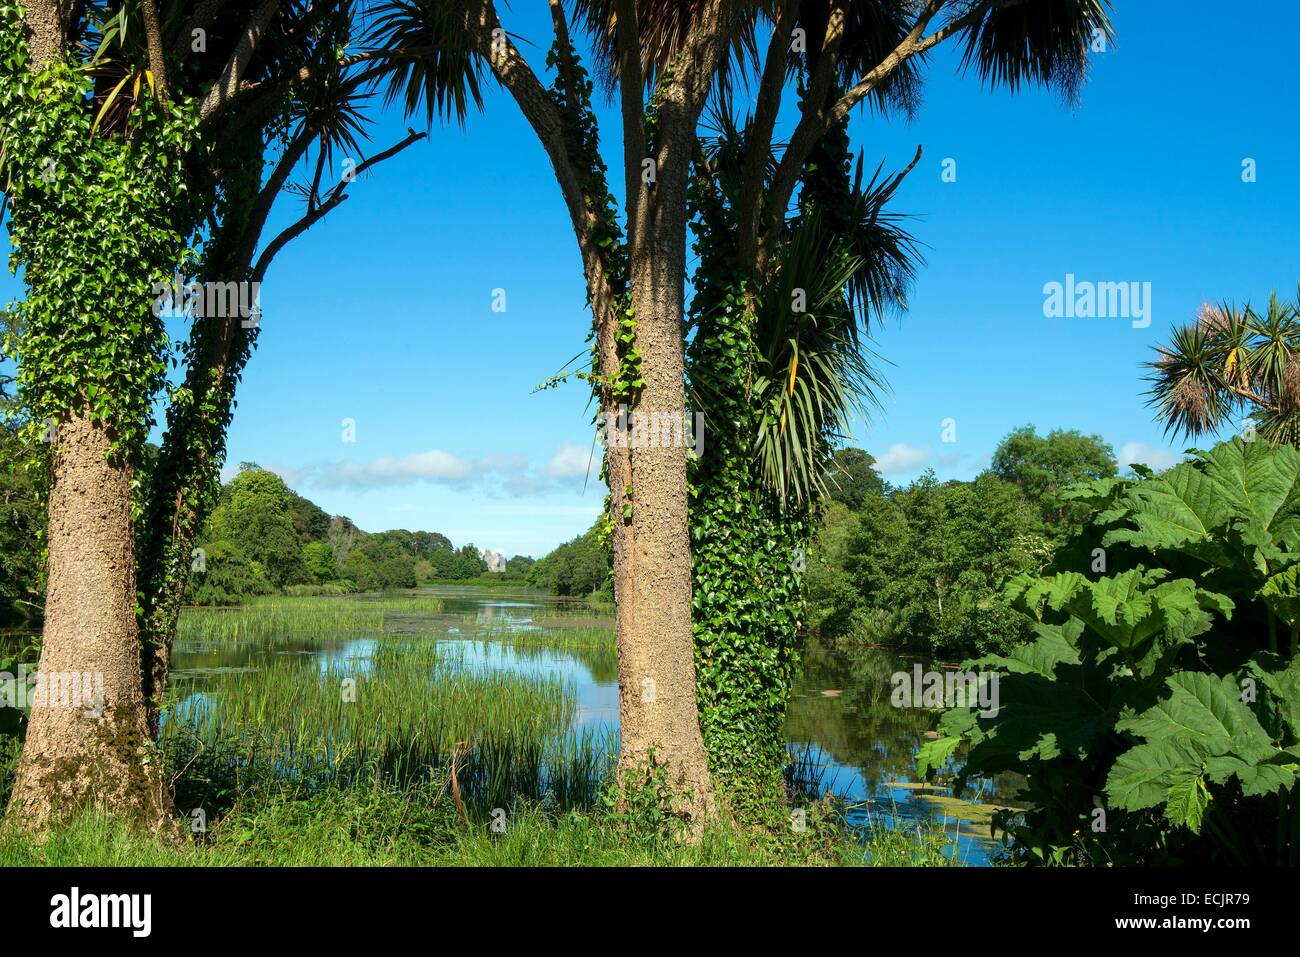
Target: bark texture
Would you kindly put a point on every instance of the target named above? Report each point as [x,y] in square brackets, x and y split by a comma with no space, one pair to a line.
[91,749]
[658,707]
[91,746]
[657,703]
[651,552]
[47,29]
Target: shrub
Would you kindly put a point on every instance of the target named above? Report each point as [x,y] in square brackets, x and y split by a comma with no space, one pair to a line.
[1156,714]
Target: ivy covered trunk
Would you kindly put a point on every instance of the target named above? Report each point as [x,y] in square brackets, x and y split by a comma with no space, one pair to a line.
[748,555]
[747,548]
[87,740]
[97,219]
[185,486]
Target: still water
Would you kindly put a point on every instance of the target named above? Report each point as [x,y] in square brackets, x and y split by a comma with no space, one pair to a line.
[841,721]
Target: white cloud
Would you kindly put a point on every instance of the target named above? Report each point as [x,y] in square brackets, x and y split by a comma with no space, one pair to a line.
[497,475]
[1148,455]
[572,461]
[434,466]
[902,458]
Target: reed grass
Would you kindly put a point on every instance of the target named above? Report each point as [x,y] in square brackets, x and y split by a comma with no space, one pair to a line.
[287,616]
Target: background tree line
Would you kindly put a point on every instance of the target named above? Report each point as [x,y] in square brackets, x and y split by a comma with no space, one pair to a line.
[922,566]
[262,538]
[919,566]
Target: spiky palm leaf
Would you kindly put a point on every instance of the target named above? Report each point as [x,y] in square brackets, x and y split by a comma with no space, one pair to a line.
[427,58]
[1036,41]
[888,254]
[813,371]
[664,27]
[1231,362]
[334,107]
[853,260]
[872,29]
[1187,387]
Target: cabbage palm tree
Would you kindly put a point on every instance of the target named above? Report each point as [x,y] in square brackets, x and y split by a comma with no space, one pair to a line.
[679,51]
[1234,367]
[816,280]
[269,69]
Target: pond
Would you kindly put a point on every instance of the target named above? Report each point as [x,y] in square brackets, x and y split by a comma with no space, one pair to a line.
[843,730]
[841,722]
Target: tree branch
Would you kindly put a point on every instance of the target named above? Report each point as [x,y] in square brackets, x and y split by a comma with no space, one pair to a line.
[514,73]
[636,198]
[335,197]
[154,44]
[759,138]
[227,85]
[201,19]
[267,195]
[815,123]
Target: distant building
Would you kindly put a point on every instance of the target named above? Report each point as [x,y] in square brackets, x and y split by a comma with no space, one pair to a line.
[496,562]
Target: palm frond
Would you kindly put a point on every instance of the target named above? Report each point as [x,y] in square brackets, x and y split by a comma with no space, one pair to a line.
[1231,361]
[664,26]
[1187,390]
[427,58]
[1044,41]
[813,371]
[872,29]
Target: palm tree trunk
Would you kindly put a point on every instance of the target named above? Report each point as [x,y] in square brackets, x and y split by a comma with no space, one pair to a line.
[87,740]
[657,699]
[92,747]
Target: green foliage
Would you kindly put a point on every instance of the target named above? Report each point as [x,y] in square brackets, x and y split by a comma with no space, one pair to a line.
[96,221]
[519,567]
[456,564]
[229,576]
[579,567]
[319,561]
[646,804]
[1158,687]
[747,601]
[1229,364]
[13,718]
[22,525]
[1044,465]
[255,514]
[932,558]
[779,366]
[923,567]
[386,825]
[263,537]
[854,478]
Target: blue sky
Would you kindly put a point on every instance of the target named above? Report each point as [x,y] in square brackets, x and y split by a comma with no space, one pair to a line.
[382,314]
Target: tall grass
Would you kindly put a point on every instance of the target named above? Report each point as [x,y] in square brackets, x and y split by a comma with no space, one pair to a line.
[407,713]
[284,616]
[403,753]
